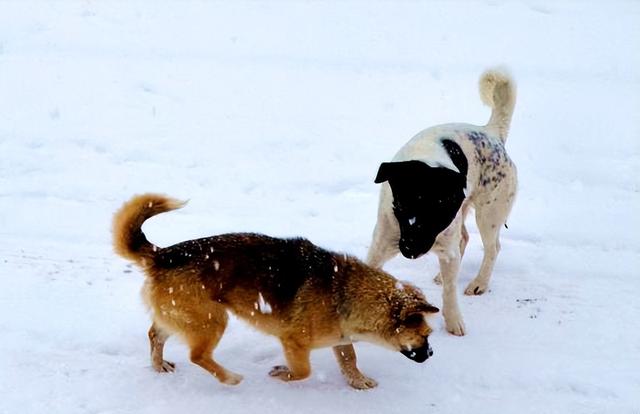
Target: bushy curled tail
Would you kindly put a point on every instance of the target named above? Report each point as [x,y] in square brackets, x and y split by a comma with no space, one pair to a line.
[128,239]
[498,90]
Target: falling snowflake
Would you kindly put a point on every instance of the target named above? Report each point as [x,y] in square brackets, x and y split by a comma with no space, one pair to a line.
[264,306]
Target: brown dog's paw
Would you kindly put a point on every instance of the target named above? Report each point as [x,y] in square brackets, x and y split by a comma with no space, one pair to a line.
[166,366]
[362,382]
[281,372]
[231,378]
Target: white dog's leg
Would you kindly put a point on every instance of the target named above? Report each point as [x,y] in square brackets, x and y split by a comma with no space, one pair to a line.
[386,234]
[491,245]
[464,238]
[490,218]
[449,267]
[447,248]
[464,234]
[384,244]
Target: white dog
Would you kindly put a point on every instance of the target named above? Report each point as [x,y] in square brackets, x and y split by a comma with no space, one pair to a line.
[432,182]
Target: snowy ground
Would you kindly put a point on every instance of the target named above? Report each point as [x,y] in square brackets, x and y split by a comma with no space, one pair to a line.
[273,117]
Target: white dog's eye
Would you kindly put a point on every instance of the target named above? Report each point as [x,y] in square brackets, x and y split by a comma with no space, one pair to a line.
[412,221]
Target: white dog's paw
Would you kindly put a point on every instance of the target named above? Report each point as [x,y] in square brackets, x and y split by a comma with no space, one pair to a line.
[476,287]
[455,326]
[438,279]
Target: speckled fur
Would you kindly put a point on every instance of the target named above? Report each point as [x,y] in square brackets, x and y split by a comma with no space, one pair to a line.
[306,296]
[491,183]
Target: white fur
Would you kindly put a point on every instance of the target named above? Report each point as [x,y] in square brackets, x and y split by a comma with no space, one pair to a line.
[425,147]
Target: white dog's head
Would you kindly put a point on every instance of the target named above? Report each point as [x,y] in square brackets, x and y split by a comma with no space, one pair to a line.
[425,201]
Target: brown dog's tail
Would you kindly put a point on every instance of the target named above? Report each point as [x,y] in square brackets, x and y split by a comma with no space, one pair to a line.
[498,90]
[128,239]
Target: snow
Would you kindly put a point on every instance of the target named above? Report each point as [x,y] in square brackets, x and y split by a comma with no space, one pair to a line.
[273,117]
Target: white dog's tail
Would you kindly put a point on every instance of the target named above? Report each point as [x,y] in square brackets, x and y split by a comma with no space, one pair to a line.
[498,91]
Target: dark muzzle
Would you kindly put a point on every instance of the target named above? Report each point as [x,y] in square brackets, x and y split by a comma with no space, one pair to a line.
[415,247]
[419,354]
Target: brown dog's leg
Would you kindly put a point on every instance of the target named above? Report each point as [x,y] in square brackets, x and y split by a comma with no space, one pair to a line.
[346,356]
[157,338]
[202,348]
[297,357]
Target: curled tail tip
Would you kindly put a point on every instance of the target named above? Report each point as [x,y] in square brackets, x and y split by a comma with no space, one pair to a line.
[493,78]
[498,91]
[155,203]
[128,239]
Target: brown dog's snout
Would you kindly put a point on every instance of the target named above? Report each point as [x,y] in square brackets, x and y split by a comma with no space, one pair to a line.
[419,354]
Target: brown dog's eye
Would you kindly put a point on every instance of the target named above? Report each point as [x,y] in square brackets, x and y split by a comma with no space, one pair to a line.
[414,320]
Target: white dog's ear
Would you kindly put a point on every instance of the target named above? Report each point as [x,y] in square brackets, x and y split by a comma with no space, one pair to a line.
[401,170]
[384,172]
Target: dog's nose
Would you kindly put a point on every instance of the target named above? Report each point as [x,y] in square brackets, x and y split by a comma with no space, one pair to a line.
[419,354]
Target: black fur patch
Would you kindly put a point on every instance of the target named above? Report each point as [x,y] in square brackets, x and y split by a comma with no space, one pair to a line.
[425,201]
[277,268]
[457,156]
[491,156]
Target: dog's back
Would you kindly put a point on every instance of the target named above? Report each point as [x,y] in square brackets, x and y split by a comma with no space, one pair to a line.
[247,273]
[244,268]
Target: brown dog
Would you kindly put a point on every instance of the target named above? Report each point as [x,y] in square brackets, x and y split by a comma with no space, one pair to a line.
[306,296]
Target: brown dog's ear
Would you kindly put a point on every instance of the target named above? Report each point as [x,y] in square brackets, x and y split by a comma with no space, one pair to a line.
[420,309]
[413,319]
[431,309]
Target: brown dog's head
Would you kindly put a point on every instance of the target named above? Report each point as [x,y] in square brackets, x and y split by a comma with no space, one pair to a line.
[409,330]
